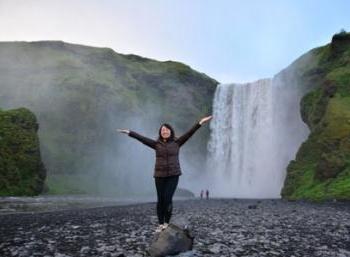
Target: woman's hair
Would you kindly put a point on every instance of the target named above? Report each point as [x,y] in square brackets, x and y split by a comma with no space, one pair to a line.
[172,133]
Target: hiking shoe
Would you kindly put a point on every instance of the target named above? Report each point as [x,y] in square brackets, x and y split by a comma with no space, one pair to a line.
[159,228]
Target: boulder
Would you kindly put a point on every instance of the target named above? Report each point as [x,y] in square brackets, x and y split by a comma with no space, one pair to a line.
[171,241]
[22,171]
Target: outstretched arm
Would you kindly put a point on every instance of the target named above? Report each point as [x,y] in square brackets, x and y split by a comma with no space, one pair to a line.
[181,140]
[145,140]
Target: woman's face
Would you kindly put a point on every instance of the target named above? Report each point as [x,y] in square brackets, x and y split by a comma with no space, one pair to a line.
[165,132]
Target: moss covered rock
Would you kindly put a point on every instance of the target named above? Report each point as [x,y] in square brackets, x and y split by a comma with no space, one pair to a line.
[321,170]
[21,170]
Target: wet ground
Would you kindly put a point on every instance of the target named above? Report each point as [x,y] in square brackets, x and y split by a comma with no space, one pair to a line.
[42,203]
[222,227]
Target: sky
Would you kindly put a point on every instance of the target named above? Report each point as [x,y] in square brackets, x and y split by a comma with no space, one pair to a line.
[230,41]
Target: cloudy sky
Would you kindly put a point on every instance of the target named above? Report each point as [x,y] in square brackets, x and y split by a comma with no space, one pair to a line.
[231,41]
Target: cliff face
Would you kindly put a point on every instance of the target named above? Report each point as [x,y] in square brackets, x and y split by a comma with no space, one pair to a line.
[321,169]
[21,170]
[81,94]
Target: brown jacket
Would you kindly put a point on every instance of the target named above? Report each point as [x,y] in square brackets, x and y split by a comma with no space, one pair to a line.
[167,153]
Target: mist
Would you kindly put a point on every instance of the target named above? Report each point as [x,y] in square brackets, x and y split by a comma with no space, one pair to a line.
[78,118]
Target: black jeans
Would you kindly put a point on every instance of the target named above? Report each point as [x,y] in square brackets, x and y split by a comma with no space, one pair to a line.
[165,190]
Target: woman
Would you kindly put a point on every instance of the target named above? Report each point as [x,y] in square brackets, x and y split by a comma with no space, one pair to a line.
[167,167]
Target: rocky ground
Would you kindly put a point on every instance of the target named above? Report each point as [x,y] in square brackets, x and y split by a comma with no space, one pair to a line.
[222,227]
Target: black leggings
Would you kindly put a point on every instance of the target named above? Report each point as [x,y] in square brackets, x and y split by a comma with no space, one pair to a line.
[165,190]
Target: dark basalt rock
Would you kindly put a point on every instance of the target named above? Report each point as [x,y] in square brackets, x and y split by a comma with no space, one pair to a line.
[171,241]
[340,42]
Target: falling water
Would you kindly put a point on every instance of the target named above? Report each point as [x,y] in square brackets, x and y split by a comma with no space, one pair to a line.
[255,132]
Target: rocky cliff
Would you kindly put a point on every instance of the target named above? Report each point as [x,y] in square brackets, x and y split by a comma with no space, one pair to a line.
[21,169]
[321,169]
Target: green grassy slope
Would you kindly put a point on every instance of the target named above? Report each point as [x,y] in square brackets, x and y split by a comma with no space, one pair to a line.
[321,169]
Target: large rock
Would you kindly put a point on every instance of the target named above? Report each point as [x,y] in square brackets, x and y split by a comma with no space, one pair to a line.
[172,240]
[21,169]
[182,192]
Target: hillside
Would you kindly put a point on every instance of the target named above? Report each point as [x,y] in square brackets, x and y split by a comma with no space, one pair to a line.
[81,94]
[321,169]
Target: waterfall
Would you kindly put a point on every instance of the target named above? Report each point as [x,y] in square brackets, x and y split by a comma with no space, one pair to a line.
[255,131]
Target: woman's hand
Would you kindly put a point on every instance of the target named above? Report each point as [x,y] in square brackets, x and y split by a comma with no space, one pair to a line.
[205,119]
[126,131]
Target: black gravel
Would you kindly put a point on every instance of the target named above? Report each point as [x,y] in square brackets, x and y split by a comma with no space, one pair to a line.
[222,227]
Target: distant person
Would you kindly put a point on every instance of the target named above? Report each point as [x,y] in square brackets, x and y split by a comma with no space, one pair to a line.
[202,194]
[207,194]
[167,167]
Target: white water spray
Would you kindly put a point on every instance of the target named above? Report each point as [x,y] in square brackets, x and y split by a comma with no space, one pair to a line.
[255,132]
